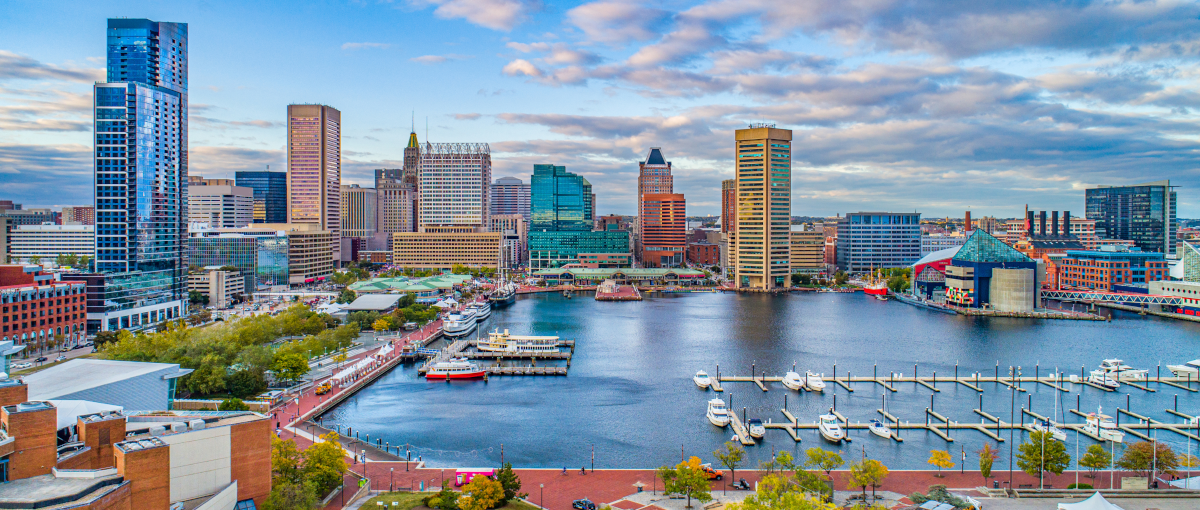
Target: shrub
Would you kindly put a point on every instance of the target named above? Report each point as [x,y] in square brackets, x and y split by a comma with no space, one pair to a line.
[1083,486]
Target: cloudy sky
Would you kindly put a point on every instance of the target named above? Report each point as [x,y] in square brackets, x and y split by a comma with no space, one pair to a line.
[895,105]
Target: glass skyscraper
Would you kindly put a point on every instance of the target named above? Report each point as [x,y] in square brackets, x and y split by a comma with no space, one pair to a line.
[561,207]
[1142,213]
[270,194]
[141,165]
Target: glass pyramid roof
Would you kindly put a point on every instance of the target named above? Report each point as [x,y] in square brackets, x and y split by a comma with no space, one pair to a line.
[983,247]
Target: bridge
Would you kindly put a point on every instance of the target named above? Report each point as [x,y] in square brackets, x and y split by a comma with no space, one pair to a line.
[1117,297]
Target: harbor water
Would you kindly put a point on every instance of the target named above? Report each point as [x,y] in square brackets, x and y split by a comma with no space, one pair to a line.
[629,396]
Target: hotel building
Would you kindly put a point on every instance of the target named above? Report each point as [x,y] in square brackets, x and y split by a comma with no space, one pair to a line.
[663,218]
[47,242]
[266,254]
[454,187]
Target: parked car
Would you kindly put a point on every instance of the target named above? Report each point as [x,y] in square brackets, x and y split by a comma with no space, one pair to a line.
[20,366]
[60,358]
[583,504]
[41,359]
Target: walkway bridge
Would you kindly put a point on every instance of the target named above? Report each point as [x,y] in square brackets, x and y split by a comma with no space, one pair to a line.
[1116,297]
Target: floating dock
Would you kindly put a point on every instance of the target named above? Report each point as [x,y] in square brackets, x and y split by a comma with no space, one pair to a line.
[458,349]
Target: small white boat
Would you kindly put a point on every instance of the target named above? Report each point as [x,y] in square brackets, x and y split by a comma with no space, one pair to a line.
[1051,427]
[718,414]
[813,382]
[1119,371]
[1102,425]
[756,428]
[702,379]
[793,381]
[878,428]
[830,429]
[1189,369]
[1105,379]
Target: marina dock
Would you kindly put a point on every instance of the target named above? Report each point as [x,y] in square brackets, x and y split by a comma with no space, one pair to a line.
[459,349]
[1019,383]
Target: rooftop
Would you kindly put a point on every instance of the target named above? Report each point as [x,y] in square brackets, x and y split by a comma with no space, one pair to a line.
[631,272]
[373,302]
[34,492]
[81,374]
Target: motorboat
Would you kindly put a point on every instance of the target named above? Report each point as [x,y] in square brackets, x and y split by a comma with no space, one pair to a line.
[454,369]
[813,382]
[1104,379]
[514,344]
[459,323]
[718,414]
[482,310]
[1101,425]
[1190,369]
[702,379]
[504,295]
[878,428]
[1120,371]
[1051,427]
[793,381]
[830,429]
[756,428]
[881,298]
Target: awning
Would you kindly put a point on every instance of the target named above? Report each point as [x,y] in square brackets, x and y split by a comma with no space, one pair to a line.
[1096,502]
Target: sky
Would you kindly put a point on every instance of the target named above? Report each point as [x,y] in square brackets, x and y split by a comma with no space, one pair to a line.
[934,107]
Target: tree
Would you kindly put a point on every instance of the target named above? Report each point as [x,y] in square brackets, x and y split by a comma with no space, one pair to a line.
[246,383]
[85,261]
[104,337]
[777,492]
[1096,458]
[1188,460]
[35,260]
[1149,457]
[869,472]
[987,456]
[346,296]
[290,367]
[233,404]
[730,455]
[197,298]
[686,478]
[445,499]
[382,324]
[286,459]
[824,460]
[898,283]
[840,277]
[511,483]
[1042,453]
[340,358]
[291,496]
[481,494]
[325,463]
[941,459]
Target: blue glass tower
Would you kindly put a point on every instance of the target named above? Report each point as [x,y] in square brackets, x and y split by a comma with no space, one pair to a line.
[561,230]
[141,162]
[270,194]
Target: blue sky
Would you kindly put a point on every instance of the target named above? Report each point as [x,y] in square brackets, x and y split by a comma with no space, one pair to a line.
[935,107]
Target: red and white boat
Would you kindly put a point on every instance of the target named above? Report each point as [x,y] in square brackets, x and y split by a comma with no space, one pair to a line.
[454,369]
[875,285]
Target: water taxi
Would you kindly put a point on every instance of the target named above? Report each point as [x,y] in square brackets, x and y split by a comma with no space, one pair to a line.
[702,379]
[1102,425]
[1120,371]
[830,429]
[717,413]
[504,342]
[793,381]
[813,382]
[1051,427]
[756,428]
[1189,369]
[459,323]
[454,369]
[878,428]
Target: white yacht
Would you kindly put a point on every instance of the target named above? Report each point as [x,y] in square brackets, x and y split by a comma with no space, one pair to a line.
[482,310]
[1103,426]
[459,323]
[878,428]
[813,381]
[1104,379]
[717,413]
[756,428]
[793,381]
[1051,427]
[504,342]
[830,429]
[702,379]
[1189,369]
[1119,371]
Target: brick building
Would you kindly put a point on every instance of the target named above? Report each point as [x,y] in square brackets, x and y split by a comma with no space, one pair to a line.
[35,306]
[1112,265]
[705,253]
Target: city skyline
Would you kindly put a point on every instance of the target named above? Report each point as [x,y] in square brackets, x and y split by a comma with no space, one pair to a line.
[898,115]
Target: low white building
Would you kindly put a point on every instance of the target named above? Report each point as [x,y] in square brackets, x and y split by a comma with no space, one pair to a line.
[936,242]
[221,206]
[46,242]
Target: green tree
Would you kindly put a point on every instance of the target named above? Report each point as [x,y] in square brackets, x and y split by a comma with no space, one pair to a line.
[777,492]
[898,283]
[246,383]
[85,261]
[1149,457]
[197,298]
[510,482]
[325,463]
[1042,453]
[731,456]
[233,404]
[290,367]
[104,337]
[35,260]
[445,499]
[867,473]
[346,296]
[686,479]
[987,456]
[482,493]
[819,458]
[840,277]
[286,460]
[941,459]
[291,496]
[209,378]
[1096,458]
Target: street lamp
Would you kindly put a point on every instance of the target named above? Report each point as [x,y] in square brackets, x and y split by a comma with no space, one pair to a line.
[542,495]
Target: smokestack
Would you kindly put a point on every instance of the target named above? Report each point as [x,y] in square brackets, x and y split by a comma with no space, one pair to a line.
[1042,222]
[1066,223]
[967,223]
[1028,222]
[1054,222]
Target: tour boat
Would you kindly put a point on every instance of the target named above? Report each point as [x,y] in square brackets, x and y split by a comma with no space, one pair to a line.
[1099,424]
[1190,369]
[876,285]
[504,295]
[830,429]
[878,428]
[702,379]
[717,413]
[506,343]
[793,381]
[1104,379]
[454,369]
[1119,371]
[756,428]
[459,323]
[813,382]
[1049,426]
[482,310]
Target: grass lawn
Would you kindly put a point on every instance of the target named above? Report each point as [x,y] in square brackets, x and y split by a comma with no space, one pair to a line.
[411,500]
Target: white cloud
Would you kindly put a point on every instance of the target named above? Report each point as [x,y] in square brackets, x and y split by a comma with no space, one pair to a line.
[494,14]
[617,22]
[365,45]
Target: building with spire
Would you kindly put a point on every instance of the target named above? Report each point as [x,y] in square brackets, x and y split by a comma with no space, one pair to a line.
[397,190]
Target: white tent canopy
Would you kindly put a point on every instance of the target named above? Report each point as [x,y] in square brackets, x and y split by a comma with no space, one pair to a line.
[69,410]
[1096,502]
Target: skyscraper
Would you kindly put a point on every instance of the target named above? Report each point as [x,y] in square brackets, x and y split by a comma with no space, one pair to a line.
[562,224]
[270,194]
[761,250]
[1142,213]
[454,186]
[141,173]
[654,176]
[510,195]
[315,168]
[664,230]
[360,212]
[396,202]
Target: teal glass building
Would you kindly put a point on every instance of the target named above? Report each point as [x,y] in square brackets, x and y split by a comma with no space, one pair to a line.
[560,230]
[263,259]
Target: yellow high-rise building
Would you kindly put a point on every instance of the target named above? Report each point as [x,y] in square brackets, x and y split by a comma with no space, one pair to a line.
[763,156]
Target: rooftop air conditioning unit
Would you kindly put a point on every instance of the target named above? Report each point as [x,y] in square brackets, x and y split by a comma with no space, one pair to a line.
[196,424]
[157,430]
[178,426]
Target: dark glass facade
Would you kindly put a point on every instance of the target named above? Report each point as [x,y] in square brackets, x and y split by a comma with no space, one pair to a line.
[270,194]
[1143,213]
[262,258]
[561,229]
[871,240]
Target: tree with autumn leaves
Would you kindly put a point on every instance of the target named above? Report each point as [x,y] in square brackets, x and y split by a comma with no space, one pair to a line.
[687,478]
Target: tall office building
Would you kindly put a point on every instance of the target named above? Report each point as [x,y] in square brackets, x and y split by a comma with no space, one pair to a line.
[654,177]
[221,206]
[270,194]
[562,228]
[315,169]
[141,175]
[728,205]
[454,187]
[874,240]
[360,212]
[664,230]
[510,195]
[1142,213]
[397,203]
[761,252]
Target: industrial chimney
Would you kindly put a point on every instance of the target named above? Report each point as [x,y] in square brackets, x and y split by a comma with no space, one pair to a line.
[1054,223]
[967,223]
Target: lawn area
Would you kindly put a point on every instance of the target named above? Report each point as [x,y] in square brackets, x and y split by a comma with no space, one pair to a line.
[411,500]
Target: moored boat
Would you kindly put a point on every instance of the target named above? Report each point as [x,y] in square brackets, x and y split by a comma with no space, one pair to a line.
[459,323]
[813,382]
[482,310]
[793,381]
[1102,426]
[504,342]
[1190,369]
[1051,427]
[1104,379]
[878,428]
[1119,371]
[756,428]
[504,295]
[718,414]
[830,429]
[702,379]
[454,369]
[876,285]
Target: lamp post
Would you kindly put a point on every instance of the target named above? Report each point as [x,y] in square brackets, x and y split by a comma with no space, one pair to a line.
[391,479]
[542,495]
